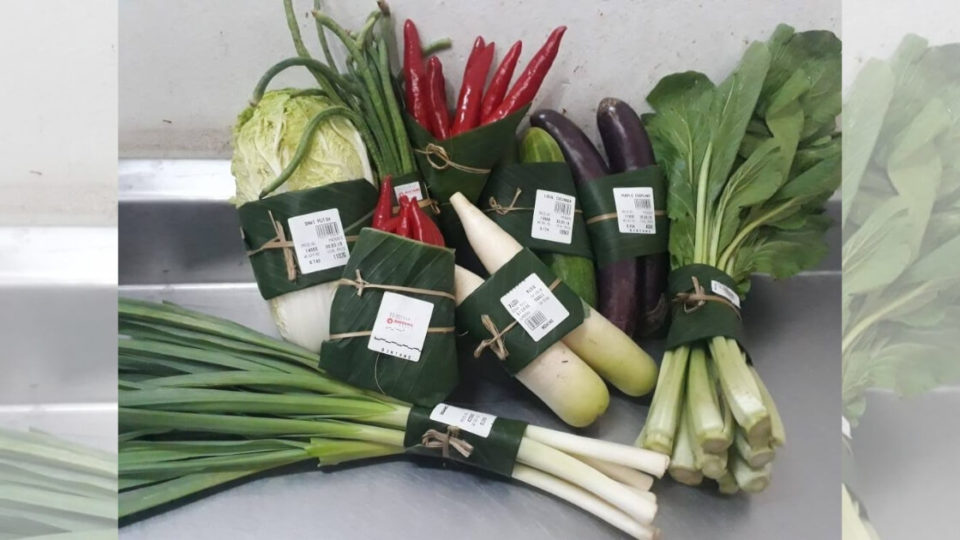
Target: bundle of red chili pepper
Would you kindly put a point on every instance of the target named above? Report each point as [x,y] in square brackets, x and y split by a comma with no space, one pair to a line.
[411,221]
[426,96]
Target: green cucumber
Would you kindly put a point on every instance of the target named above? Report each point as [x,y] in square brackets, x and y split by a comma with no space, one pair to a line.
[537,146]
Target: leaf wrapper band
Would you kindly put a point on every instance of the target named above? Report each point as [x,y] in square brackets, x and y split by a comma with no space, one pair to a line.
[496,453]
[510,197]
[600,212]
[387,262]
[263,224]
[466,162]
[488,324]
[697,313]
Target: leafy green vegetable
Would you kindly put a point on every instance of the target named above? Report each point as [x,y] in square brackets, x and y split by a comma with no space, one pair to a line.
[750,163]
[267,135]
[902,224]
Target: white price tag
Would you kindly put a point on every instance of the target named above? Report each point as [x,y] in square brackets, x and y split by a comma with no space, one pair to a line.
[553,217]
[318,240]
[411,190]
[534,306]
[725,292]
[401,326]
[635,210]
[475,422]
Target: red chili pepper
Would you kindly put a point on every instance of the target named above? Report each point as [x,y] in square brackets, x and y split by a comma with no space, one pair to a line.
[404,227]
[415,75]
[500,81]
[467,115]
[479,45]
[529,82]
[391,224]
[437,97]
[384,208]
[424,229]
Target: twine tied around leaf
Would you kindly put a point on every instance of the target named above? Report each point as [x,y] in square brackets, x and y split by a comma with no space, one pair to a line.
[495,341]
[444,441]
[495,205]
[692,301]
[439,159]
[361,284]
[279,242]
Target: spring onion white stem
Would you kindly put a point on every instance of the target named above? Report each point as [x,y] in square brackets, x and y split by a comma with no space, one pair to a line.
[561,465]
[620,473]
[629,456]
[585,500]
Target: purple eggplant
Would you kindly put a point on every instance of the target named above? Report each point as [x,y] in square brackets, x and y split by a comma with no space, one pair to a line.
[618,291]
[628,148]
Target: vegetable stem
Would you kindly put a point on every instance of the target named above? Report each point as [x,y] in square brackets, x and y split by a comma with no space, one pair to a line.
[662,417]
[706,420]
[740,389]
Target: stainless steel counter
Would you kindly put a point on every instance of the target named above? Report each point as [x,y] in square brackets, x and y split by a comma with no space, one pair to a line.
[194,258]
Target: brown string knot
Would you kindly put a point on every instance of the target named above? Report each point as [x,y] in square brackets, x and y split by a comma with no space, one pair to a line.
[439,159]
[495,341]
[437,439]
[495,205]
[279,242]
[695,300]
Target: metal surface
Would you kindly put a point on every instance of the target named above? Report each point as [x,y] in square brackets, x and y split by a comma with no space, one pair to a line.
[57,305]
[905,459]
[195,259]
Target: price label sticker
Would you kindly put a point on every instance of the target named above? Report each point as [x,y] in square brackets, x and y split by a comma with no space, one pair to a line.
[553,217]
[475,422]
[635,210]
[532,304]
[725,292]
[318,240]
[411,190]
[401,326]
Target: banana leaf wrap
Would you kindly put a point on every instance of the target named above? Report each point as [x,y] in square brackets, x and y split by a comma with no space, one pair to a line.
[600,209]
[520,347]
[354,199]
[694,320]
[510,197]
[387,259]
[461,164]
[497,452]
[430,207]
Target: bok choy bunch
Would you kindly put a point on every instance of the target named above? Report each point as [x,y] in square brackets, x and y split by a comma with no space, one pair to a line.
[347,127]
[750,164]
[204,401]
[52,488]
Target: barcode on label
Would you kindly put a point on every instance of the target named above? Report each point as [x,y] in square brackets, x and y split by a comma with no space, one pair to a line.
[535,320]
[635,210]
[553,217]
[328,229]
[318,241]
[532,304]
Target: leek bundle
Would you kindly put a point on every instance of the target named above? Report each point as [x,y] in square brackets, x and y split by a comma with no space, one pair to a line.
[49,487]
[204,401]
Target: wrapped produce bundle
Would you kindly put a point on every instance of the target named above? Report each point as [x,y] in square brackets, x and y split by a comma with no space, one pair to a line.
[392,319]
